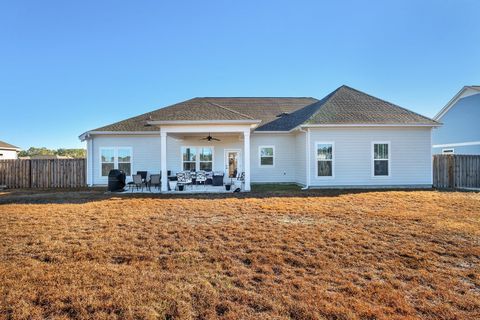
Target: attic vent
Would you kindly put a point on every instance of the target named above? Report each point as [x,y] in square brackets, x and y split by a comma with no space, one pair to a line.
[282,114]
[149,118]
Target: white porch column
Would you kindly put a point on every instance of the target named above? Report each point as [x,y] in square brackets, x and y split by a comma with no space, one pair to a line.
[163,160]
[246,152]
[89,174]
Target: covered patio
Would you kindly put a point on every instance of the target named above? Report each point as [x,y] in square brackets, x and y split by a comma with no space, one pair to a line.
[221,148]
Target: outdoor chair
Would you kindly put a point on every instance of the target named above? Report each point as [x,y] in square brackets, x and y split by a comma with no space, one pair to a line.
[184,179]
[138,181]
[154,181]
[201,177]
[143,174]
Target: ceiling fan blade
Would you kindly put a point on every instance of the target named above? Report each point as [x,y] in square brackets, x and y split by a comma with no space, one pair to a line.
[215,139]
[204,138]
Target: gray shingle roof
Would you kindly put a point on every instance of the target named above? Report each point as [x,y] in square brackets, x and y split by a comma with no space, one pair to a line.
[214,108]
[345,105]
[350,106]
[4,145]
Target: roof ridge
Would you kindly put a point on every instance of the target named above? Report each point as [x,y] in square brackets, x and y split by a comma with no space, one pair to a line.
[225,108]
[256,97]
[393,104]
[328,97]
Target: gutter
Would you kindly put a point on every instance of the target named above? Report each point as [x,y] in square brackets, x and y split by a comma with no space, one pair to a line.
[88,134]
[370,125]
[179,122]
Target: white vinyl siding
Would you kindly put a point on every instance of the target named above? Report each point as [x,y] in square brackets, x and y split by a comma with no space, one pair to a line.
[300,158]
[410,158]
[285,158]
[145,154]
[409,155]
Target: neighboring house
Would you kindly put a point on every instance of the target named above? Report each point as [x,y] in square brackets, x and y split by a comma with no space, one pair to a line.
[8,151]
[346,139]
[460,132]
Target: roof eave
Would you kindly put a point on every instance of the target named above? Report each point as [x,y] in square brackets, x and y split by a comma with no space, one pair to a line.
[193,122]
[88,134]
[10,148]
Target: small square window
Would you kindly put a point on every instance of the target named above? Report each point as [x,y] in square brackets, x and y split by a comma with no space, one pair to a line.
[267,155]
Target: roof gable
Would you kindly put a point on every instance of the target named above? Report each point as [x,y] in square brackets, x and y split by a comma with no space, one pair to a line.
[350,106]
[4,145]
[464,92]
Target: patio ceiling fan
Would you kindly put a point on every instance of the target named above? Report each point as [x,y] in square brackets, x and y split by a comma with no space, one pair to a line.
[210,138]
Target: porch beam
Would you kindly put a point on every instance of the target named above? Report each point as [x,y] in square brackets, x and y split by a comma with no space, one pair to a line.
[163,161]
[246,152]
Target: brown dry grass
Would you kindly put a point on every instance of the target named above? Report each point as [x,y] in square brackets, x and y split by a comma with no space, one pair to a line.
[363,255]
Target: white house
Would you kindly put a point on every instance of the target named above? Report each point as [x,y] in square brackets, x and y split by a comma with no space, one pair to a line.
[8,151]
[460,132]
[346,139]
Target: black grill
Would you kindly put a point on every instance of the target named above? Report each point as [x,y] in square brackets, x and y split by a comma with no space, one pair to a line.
[116,180]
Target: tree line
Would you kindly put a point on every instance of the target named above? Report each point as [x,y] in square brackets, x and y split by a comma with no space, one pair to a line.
[33,151]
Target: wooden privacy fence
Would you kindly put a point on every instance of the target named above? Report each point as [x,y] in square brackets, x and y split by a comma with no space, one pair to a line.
[43,173]
[456,171]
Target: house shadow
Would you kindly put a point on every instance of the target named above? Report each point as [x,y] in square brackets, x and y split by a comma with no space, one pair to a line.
[81,196]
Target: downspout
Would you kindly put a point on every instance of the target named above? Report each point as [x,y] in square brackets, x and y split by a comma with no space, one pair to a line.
[307,158]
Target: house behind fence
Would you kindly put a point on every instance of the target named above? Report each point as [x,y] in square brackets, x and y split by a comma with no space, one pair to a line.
[43,173]
[456,171]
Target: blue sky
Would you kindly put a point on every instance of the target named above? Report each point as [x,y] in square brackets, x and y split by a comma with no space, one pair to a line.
[70,66]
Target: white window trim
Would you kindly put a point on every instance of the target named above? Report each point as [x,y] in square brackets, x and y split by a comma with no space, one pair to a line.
[260,157]
[115,159]
[373,159]
[316,160]
[448,151]
[197,160]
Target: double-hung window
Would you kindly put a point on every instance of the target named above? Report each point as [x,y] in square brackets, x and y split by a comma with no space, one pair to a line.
[206,159]
[197,158]
[116,158]
[267,156]
[189,157]
[325,157]
[124,158]
[381,159]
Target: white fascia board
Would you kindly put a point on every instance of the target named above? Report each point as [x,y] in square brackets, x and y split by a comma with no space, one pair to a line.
[370,125]
[10,149]
[196,122]
[88,134]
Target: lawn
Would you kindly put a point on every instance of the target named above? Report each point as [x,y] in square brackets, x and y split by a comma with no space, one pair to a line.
[315,255]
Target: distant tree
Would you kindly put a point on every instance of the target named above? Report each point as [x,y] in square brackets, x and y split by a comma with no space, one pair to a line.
[33,151]
[74,153]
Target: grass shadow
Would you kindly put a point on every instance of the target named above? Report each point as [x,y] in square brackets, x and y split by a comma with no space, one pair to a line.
[85,195]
